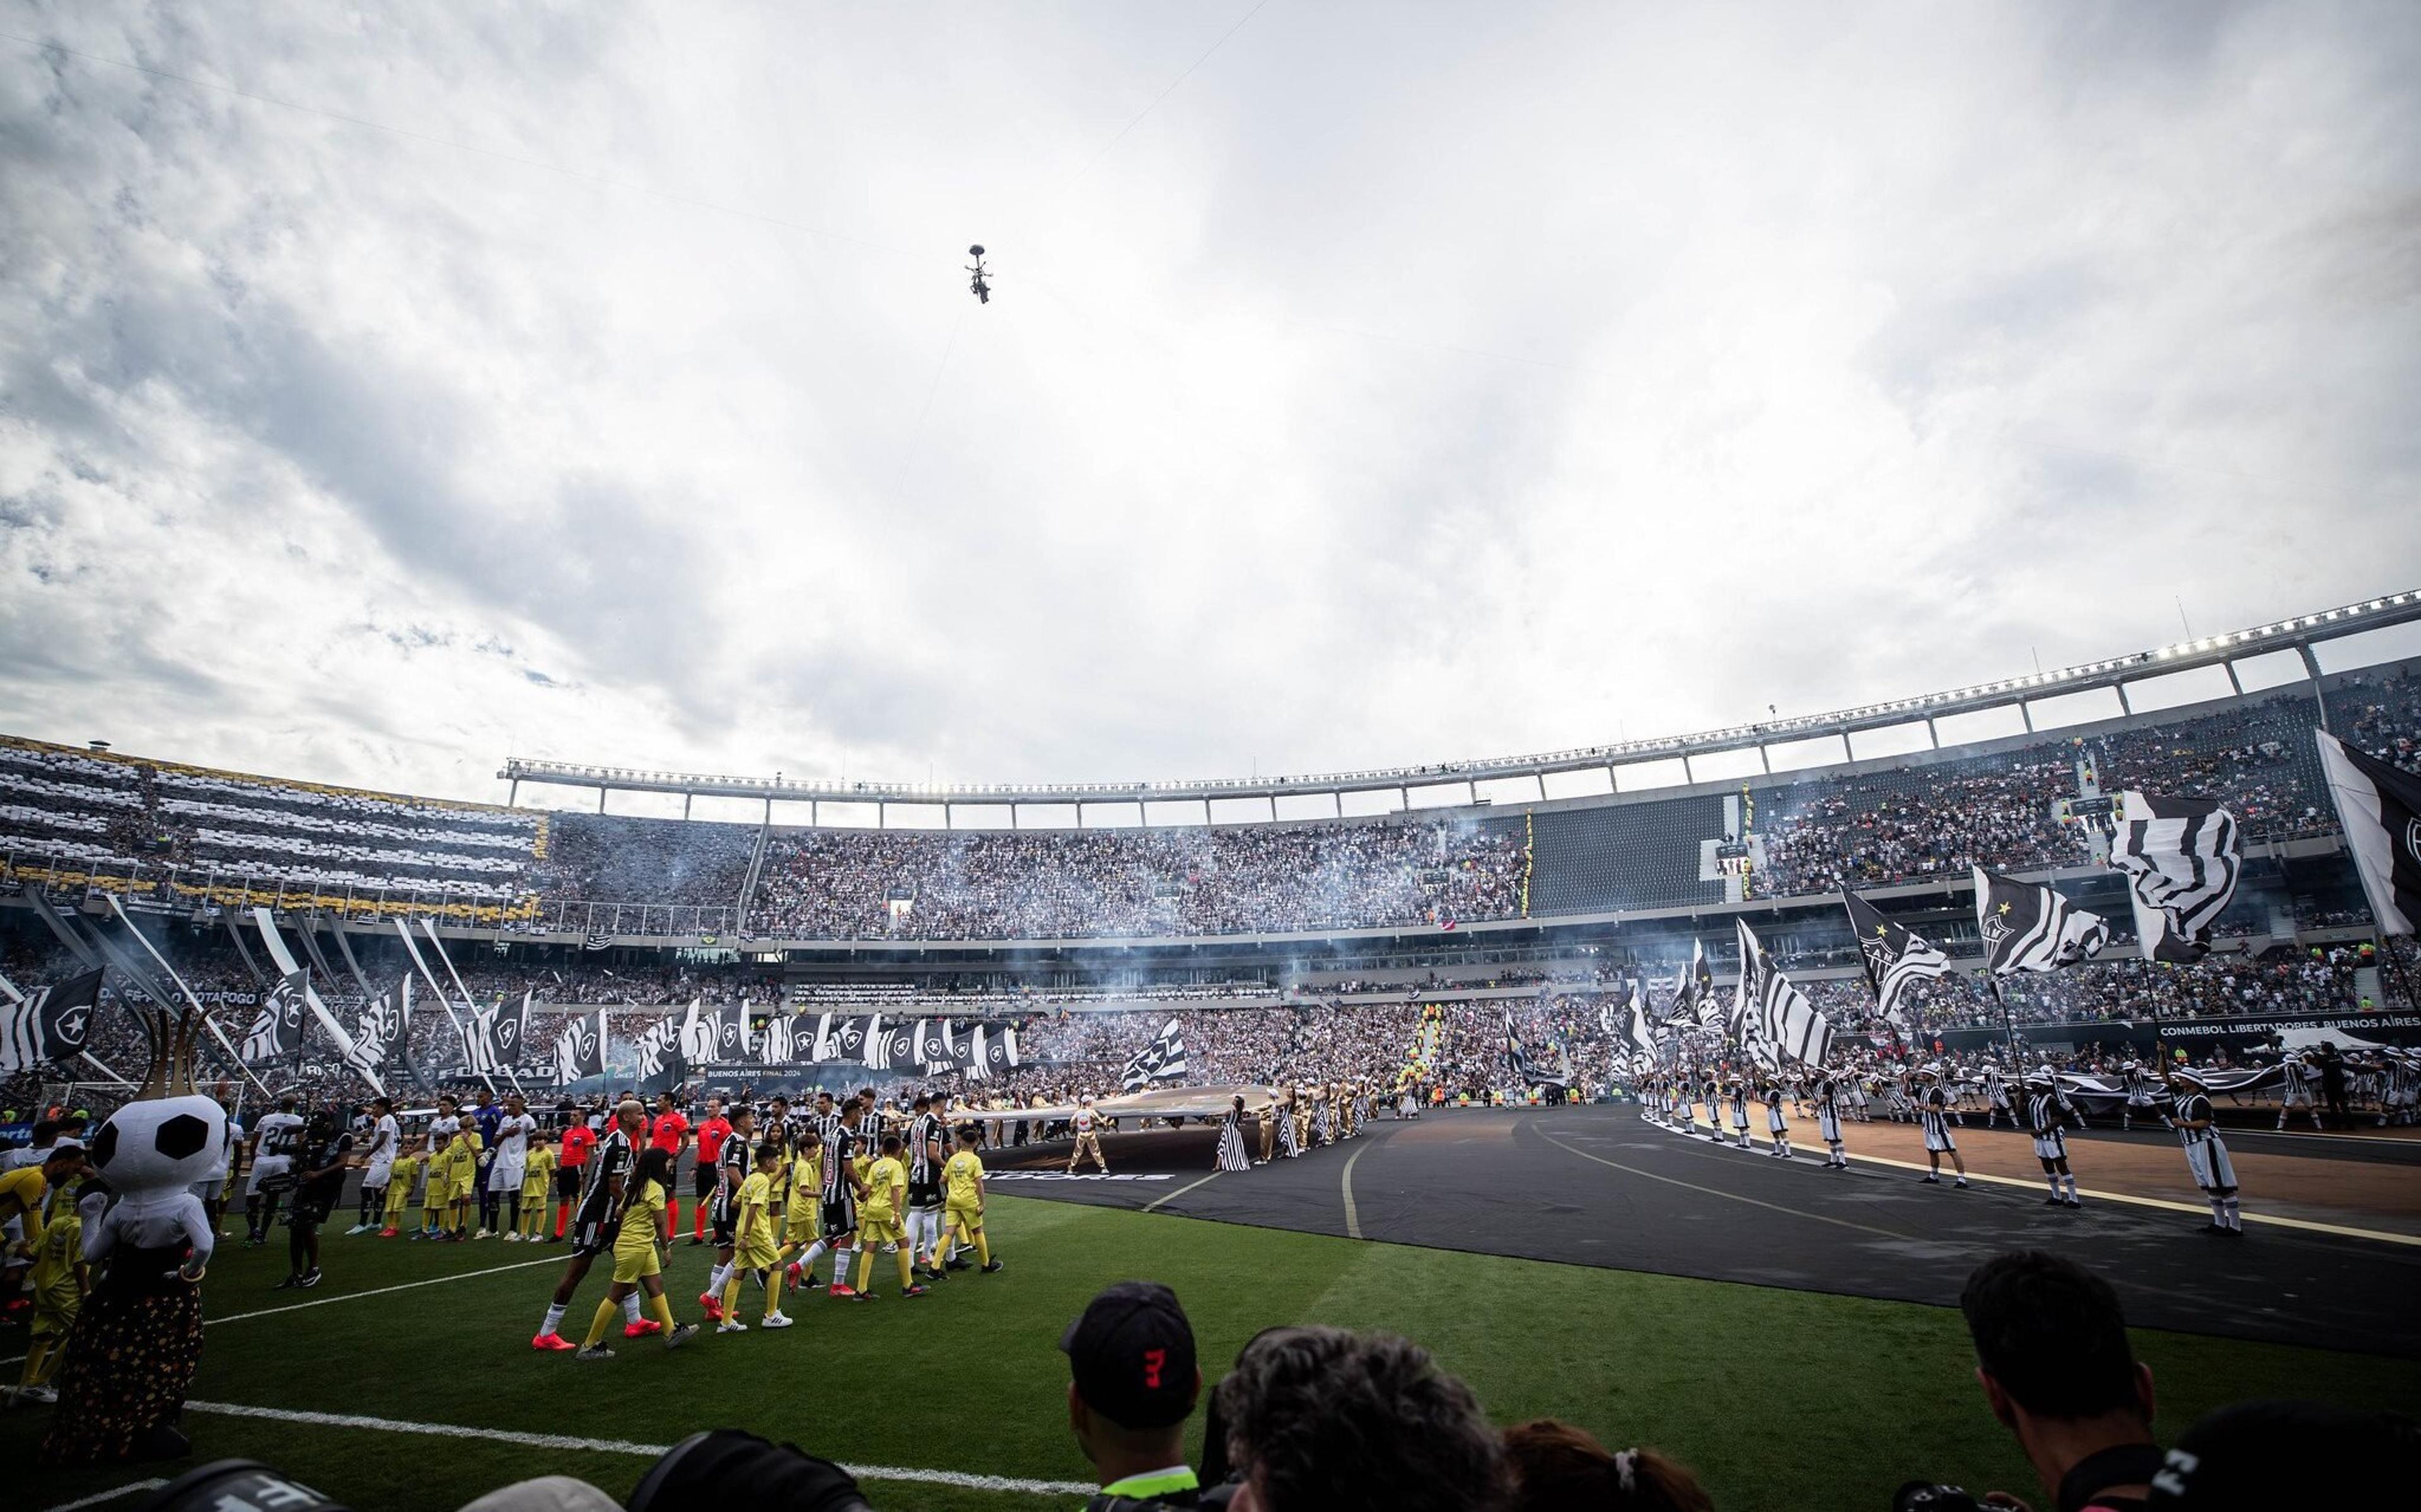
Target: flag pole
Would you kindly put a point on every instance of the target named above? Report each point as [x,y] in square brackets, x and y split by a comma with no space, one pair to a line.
[2008,1024]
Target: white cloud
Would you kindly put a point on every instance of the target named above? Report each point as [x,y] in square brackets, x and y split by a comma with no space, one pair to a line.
[1401,387]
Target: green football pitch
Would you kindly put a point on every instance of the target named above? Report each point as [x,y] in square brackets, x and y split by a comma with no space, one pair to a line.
[406,1379]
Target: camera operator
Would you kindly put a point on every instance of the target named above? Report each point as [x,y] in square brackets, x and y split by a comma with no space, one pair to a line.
[1132,1383]
[2052,1358]
[1317,1418]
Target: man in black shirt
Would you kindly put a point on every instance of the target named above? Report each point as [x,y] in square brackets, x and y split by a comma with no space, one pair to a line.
[2052,1358]
[319,1186]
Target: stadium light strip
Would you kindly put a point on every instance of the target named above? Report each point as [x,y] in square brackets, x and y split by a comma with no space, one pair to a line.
[2292,633]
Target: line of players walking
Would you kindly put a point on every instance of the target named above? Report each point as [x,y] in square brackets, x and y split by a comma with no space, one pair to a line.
[2034,1103]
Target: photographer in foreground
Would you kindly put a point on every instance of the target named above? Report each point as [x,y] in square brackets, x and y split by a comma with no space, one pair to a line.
[2052,1358]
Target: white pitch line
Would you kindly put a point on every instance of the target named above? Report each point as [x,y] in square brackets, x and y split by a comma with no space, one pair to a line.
[110,1495]
[960,1478]
[1179,1193]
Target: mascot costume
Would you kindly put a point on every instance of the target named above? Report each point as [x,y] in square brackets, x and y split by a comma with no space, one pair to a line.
[136,1342]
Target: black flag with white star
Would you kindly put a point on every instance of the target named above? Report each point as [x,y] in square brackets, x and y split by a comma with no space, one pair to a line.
[2381,809]
[1896,959]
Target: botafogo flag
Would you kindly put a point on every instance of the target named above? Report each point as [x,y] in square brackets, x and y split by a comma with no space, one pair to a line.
[50,1024]
[2027,928]
[2181,860]
[2381,809]
[579,1050]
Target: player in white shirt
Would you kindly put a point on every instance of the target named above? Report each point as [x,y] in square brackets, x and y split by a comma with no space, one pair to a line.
[276,1141]
[513,1132]
[1086,1139]
[386,1139]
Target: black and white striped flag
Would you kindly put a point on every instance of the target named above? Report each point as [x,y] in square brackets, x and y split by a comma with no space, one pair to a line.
[277,1030]
[1785,1020]
[379,1027]
[1896,959]
[777,1039]
[977,1071]
[1000,1052]
[659,1042]
[2381,809]
[2028,927]
[697,1035]
[2181,862]
[1162,1060]
[1694,995]
[480,1039]
[579,1050]
[48,1023]
[1643,1038]
[599,939]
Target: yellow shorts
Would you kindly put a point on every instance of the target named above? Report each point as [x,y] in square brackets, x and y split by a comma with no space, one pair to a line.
[633,1265]
[55,1322]
[872,1230]
[966,1219]
[756,1256]
[802,1229]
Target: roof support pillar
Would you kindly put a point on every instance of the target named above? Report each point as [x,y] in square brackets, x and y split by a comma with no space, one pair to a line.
[514,793]
[600,799]
[2124,707]
[2312,670]
[2027,714]
[1274,808]
[2233,680]
[686,797]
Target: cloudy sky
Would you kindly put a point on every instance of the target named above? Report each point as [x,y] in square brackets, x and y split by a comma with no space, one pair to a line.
[384,393]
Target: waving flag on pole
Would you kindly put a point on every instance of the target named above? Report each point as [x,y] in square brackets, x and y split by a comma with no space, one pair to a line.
[2181,861]
[50,1024]
[1643,1038]
[2381,809]
[276,1032]
[580,1051]
[1694,995]
[1896,959]
[1162,1060]
[657,1045]
[777,1039]
[1000,1053]
[291,973]
[2028,927]
[1787,1024]
[697,1035]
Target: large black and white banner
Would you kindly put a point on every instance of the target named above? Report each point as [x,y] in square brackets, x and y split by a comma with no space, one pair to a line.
[579,1050]
[1162,1060]
[2032,929]
[697,1035]
[1642,1037]
[50,1024]
[2181,860]
[731,1040]
[997,1052]
[934,1045]
[379,1027]
[779,1050]
[291,971]
[512,1032]
[1785,1020]
[1896,959]
[2380,810]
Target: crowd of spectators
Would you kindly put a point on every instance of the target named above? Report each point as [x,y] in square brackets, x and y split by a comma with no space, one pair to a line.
[1048,884]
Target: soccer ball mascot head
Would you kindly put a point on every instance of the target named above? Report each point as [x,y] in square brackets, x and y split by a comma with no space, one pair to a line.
[138,1337]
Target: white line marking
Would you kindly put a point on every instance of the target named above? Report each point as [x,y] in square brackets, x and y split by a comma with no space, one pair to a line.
[1179,1193]
[357,1296]
[1353,1219]
[623,1446]
[1718,1191]
[110,1495]
[2165,1204]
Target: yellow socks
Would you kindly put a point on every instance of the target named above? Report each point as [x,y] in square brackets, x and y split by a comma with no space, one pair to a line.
[660,1307]
[606,1313]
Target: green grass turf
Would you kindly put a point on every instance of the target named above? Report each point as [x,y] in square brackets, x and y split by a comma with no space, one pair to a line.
[1777,1399]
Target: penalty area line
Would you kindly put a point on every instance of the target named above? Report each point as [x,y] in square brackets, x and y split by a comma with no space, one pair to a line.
[962,1479]
[1179,1193]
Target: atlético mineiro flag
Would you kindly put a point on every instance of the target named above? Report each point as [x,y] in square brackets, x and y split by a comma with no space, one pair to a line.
[1896,957]
[2027,928]
[2381,809]
[2181,862]
[50,1024]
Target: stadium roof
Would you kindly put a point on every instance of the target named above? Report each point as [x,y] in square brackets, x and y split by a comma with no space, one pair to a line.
[2294,634]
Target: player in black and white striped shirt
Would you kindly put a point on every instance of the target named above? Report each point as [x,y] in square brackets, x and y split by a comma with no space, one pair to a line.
[2297,1089]
[732,1164]
[2206,1155]
[1828,1121]
[2046,1115]
[596,1222]
[925,1157]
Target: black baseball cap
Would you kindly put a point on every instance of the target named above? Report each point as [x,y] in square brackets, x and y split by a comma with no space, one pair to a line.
[2268,1453]
[1132,1353]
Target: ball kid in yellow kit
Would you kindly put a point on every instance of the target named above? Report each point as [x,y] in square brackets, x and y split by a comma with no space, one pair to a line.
[639,1266]
[753,1247]
[962,1200]
[462,1176]
[878,1221]
[436,1198]
[59,1281]
[537,1179]
[401,1173]
[801,1225]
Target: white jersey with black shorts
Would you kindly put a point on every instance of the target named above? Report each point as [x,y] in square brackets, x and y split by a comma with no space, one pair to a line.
[1828,1113]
